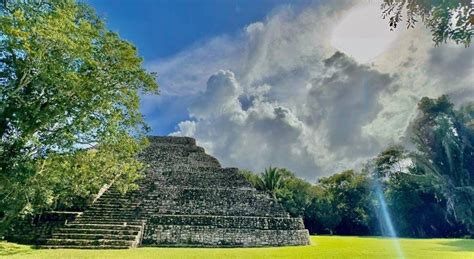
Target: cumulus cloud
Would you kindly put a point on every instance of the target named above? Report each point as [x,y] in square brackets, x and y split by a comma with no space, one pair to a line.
[339,104]
[265,133]
[279,94]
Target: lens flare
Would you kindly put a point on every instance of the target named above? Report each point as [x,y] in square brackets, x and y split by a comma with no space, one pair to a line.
[386,220]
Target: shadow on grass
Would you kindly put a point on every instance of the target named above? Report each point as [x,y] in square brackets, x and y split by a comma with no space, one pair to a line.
[13,249]
[461,245]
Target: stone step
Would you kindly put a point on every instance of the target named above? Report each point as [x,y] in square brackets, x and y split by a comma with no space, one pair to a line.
[105,213]
[154,140]
[135,193]
[90,215]
[201,178]
[99,209]
[118,198]
[207,236]
[96,231]
[87,242]
[93,236]
[187,168]
[170,163]
[82,247]
[113,205]
[127,201]
[174,149]
[109,197]
[111,212]
[102,226]
[204,201]
[117,201]
[211,211]
[109,221]
[265,223]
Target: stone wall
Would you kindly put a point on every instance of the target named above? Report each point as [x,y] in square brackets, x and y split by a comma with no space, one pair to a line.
[210,236]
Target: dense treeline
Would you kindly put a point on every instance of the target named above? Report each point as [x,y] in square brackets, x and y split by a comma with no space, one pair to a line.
[429,191]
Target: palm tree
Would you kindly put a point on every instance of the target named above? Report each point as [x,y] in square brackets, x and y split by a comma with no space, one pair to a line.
[270,181]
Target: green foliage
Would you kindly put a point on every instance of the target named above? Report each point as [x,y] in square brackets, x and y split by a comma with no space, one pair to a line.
[294,194]
[346,199]
[390,160]
[446,19]
[270,180]
[69,118]
[430,191]
[251,177]
[338,204]
[419,209]
[416,205]
[445,143]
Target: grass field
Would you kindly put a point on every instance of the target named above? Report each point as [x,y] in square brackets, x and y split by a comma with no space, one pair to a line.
[321,247]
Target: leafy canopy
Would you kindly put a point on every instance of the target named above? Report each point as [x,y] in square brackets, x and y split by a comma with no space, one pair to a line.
[446,19]
[69,99]
[445,143]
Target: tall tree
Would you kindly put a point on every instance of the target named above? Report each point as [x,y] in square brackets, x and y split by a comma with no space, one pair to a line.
[445,143]
[446,19]
[347,196]
[69,98]
[417,207]
[295,193]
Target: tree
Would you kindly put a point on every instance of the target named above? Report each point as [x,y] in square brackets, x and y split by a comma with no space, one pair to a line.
[446,19]
[417,207]
[69,118]
[445,143]
[322,215]
[390,161]
[346,196]
[270,181]
[294,194]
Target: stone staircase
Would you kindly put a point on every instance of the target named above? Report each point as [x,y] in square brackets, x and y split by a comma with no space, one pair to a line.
[185,199]
[113,221]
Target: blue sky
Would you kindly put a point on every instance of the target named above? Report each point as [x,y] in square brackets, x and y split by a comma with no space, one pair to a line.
[163,28]
[313,86]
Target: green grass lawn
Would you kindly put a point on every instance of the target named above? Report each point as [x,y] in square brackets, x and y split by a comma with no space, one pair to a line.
[321,247]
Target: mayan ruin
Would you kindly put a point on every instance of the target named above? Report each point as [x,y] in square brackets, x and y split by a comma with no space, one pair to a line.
[186,199]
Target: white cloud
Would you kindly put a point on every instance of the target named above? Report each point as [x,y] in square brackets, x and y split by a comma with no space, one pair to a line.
[277,94]
[250,138]
[186,128]
[187,72]
[362,34]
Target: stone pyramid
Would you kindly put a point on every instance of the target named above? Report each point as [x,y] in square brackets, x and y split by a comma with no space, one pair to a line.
[186,199]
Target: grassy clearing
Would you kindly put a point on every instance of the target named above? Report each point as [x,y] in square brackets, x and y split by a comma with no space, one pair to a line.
[321,247]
